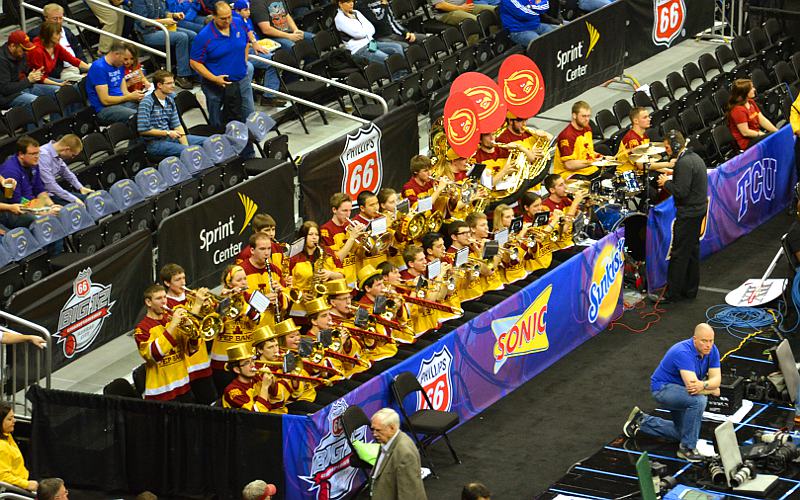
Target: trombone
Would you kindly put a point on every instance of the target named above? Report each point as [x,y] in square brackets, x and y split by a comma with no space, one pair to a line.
[291,376]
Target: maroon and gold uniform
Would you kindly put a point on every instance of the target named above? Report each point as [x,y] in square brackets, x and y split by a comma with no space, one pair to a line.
[507,137]
[276,257]
[264,280]
[379,351]
[166,373]
[245,395]
[562,205]
[423,319]
[198,363]
[372,260]
[413,191]
[467,286]
[482,156]
[238,330]
[574,144]
[334,237]
[301,267]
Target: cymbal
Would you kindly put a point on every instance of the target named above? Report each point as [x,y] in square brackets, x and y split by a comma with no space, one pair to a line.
[606,163]
[655,150]
[641,159]
[641,148]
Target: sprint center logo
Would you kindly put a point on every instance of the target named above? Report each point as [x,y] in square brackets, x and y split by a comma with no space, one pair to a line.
[82,317]
[524,334]
[222,241]
[573,61]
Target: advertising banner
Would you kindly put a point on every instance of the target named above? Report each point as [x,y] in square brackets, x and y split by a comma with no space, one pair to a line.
[375,156]
[582,54]
[209,235]
[743,193]
[656,25]
[469,369]
[92,301]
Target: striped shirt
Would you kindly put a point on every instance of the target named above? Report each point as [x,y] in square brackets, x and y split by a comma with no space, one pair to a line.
[153,114]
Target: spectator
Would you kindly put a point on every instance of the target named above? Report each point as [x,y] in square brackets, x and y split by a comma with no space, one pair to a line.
[218,55]
[11,214]
[47,53]
[17,88]
[271,81]
[475,491]
[158,121]
[454,11]
[106,89]
[52,489]
[273,19]
[24,169]
[53,168]
[396,474]
[112,22]
[258,490]
[356,33]
[179,38]
[590,5]
[146,495]
[748,125]
[64,71]
[387,27]
[192,20]
[12,464]
[523,20]
[134,73]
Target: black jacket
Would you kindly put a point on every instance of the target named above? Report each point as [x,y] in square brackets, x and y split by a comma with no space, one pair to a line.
[13,76]
[689,185]
[74,42]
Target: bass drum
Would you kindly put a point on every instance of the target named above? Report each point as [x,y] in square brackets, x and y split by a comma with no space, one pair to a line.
[612,216]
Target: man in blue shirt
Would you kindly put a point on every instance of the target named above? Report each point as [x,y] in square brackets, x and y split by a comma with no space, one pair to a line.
[158,122]
[106,89]
[219,55]
[53,168]
[686,375]
[522,19]
[179,38]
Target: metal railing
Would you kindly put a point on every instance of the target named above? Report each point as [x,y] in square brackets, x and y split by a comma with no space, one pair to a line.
[165,53]
[318,78]
[13,368]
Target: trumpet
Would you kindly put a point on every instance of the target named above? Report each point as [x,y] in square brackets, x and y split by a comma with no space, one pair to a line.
[370,337]
[320,353]
[509,254]
[196,326]
[291,376]
[429,304]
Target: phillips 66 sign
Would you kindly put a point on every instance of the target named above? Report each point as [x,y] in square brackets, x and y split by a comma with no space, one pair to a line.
[670,16]
[361,161]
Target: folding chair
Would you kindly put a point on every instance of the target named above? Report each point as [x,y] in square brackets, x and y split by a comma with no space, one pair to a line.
[22,247]
[353,419]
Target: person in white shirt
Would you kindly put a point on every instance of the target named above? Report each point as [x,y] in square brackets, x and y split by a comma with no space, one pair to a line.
[357,34]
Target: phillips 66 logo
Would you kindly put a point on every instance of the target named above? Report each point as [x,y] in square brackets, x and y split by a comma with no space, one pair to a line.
[434,376]
[669,16]
[361,161]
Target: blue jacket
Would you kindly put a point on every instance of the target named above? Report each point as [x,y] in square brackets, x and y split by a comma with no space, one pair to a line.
[522,15]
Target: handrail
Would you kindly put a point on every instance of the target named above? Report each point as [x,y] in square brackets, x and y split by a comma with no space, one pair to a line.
[46,353]
[329,81]
[165,54]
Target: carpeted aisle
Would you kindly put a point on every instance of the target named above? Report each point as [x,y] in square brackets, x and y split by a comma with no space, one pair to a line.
[527,440]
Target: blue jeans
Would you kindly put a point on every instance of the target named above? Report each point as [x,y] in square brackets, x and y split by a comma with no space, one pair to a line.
[181,39]
[590,5]
[117,113]
[30,94]
[271,80]
[288,44]
[215,96]
[687,414]
[487,2]
[191,26]
[171,147]
[381,54]
[524,38]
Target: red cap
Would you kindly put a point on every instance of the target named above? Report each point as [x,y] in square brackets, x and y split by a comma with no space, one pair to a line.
[19,37]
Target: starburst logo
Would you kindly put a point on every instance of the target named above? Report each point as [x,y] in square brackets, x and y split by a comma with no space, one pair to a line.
[250,208]
[594,37]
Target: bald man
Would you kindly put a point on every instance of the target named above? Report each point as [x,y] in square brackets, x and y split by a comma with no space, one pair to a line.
[687,374]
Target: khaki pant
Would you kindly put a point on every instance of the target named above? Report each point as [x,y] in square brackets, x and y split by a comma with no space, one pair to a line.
[112,22]
[455,17]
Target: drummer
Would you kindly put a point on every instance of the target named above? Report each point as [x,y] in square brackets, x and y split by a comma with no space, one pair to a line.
[632,150]
[575,152]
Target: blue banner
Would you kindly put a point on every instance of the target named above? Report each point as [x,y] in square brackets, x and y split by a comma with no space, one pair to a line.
[743,193]
[469,369]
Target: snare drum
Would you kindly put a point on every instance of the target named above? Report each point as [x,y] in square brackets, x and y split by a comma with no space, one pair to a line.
[612,216]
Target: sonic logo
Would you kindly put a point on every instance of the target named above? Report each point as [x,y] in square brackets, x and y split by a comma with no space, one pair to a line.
[462,126]
[361,161]
[668,19]
[522,335]
[434,377]
[606,281]
[485,98]
[331,476]
[82,317]
[521,87]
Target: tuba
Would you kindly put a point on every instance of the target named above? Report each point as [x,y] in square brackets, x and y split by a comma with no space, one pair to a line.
[524,169]
[437,146]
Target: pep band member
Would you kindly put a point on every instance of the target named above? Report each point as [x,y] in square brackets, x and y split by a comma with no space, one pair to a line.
[340,235]
[314,265]
[423,319]
[575,146]
[250,389]
[173,277]
[267,355]
[319,317]
[511,263]
[369,211]
[745,120]
[420,184]
[266,276]
[264,223]
[531,204]
[387,199]
[163,344]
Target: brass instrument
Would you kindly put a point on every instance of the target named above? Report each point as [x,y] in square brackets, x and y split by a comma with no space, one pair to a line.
[386,322]
[372,245]
[368,337]
[437,146]
[292,375]
[195,326]
[523,168]
[210,304]
[321,352]
[411,226]
[429,304]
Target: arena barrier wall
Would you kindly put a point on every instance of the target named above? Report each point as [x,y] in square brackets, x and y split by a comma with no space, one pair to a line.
[743,193]
[92,301]
[129,445]
[469,369]
[373,157]
[592,50]
[208,235]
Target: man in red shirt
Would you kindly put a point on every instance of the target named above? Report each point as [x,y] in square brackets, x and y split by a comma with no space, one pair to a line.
[421,184]
[636,136]
[558,198]
[516,131]
[575,145]
[249,390]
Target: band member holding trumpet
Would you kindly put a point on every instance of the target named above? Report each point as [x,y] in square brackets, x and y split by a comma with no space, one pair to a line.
[491,282]
[575,146]
[387,200]
[319,317]
[173,277]
[537,259]
[421,184]
[315,265]
[340,234]
[423,319]
[511,260]
[250,390]
[371,286]
[268,358]
[468,284]
[163,341]
[266,276]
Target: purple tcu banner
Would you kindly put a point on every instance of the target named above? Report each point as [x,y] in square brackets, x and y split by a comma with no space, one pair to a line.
[743,193]
[469,369]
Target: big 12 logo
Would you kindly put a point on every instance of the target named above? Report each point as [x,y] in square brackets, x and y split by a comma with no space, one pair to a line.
[434,377]
[668,19]
[361,161]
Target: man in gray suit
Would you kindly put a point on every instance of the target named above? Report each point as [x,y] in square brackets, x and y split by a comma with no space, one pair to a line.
[396,474]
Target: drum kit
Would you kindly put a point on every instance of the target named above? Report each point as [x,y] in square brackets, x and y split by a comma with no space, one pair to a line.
[619,198]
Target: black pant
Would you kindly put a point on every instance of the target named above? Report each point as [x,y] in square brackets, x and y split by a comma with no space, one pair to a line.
[683,276]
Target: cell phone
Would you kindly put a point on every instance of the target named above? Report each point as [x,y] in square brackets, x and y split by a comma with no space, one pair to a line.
[373,46]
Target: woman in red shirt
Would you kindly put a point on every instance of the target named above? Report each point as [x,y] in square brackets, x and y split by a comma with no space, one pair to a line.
[748,125]
[47,52]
